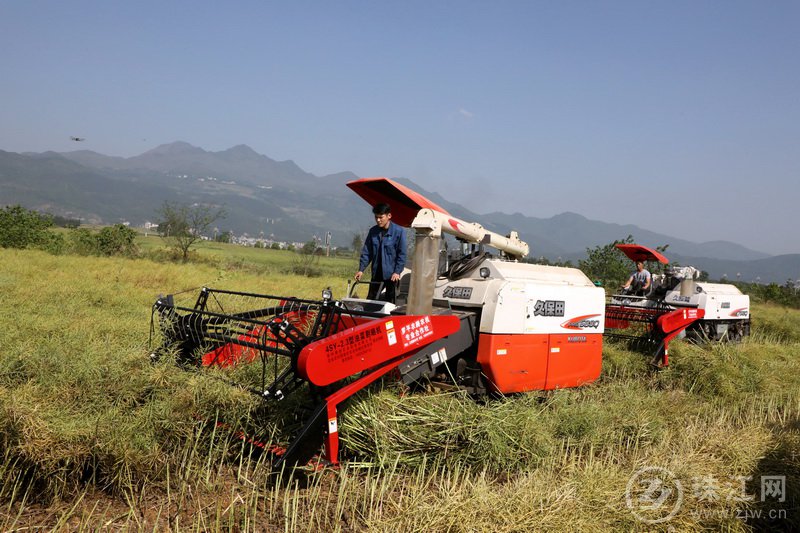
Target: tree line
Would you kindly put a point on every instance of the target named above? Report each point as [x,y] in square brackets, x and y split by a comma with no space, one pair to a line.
[24,228]
[182,226]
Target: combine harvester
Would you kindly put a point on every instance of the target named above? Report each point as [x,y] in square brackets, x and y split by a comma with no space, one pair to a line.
[486,324]
[676,305]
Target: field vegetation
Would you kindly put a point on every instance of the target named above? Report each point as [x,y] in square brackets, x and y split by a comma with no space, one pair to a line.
[94,436]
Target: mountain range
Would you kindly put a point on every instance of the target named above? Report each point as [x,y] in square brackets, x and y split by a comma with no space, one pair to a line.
[278,199]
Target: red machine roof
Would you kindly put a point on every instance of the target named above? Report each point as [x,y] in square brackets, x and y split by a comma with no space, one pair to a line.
[637,252]
[404,202]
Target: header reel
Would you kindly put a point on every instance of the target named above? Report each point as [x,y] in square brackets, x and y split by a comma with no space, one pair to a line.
[274,346]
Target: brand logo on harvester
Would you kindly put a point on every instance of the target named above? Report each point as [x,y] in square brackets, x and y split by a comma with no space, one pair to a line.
[582,322]
[744,311]
[549,308]
[464,293]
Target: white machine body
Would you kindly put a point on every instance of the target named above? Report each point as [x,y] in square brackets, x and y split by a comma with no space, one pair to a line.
[527,298]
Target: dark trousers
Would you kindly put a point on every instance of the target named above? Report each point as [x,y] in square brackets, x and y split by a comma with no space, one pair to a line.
[383,290]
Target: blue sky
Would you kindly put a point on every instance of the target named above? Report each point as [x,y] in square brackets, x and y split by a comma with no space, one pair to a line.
[679,117]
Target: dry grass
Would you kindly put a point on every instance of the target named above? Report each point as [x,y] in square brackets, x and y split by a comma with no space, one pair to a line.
[95,437]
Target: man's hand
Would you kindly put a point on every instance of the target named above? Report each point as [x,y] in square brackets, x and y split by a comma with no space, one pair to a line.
[358,275]
[395,277]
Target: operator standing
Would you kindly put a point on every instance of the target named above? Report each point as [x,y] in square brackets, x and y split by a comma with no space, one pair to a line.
[385,248]
[639,282]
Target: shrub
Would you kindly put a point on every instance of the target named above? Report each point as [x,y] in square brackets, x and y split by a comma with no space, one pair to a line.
[54,243]
[23,228]
[307,264]
[109,241]
[787,294]
[116,240]
[82,242]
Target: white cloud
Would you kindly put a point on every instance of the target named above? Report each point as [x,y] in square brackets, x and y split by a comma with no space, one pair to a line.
[466,114]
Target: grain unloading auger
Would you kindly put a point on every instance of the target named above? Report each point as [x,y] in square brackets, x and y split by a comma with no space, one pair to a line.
[485,323]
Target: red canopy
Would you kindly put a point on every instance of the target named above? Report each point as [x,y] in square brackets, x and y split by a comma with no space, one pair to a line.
[637,252]
[404,202]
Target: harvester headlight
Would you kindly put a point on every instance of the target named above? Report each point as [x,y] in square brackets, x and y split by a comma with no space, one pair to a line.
[484,272]
[327,294]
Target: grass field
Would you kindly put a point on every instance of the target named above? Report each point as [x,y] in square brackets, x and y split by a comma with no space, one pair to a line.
[262,261]
[94,436]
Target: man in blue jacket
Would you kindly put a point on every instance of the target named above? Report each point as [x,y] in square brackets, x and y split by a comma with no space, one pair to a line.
[385,248]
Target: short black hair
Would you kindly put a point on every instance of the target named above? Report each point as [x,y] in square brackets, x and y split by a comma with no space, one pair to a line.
[381,209]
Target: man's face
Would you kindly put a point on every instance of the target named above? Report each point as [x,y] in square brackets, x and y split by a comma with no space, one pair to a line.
[639,266]
[383,220]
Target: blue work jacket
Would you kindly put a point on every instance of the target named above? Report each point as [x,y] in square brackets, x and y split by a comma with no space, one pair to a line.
[392,247]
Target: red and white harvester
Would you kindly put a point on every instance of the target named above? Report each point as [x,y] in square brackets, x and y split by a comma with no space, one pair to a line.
[487,323]
[675,305]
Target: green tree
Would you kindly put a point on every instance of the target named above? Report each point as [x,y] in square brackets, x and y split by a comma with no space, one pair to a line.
[83,242]
[607,264]
[117,240]
[111,240]
[309,248]
[358,243]
[307,264]
[182,225]
[23,228]
[660,268]
[64,222]
[225,236]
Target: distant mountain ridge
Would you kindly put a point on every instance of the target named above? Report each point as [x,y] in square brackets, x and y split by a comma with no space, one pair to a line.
[239,162]
[569,234]
[279,199]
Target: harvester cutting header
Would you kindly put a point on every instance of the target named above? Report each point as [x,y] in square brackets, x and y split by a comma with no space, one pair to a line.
[485,323]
